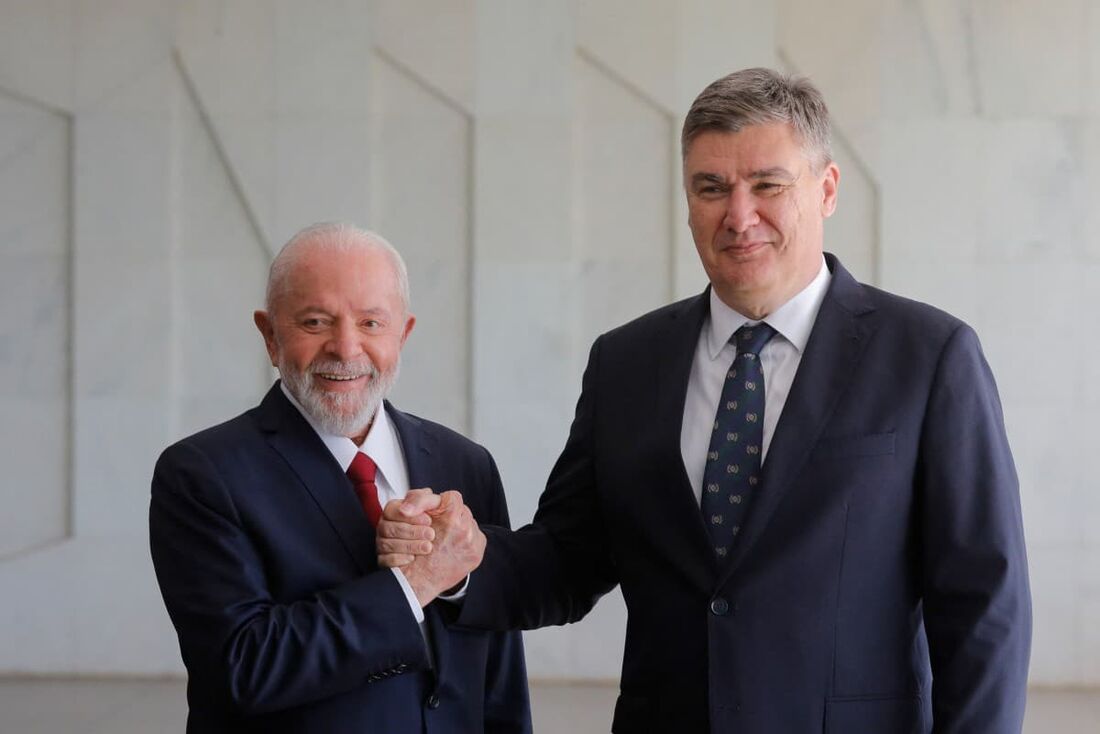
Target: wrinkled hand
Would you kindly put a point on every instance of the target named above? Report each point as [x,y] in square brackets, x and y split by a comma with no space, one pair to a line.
[433,539]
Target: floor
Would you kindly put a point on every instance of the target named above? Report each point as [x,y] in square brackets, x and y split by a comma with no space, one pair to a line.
[62,706]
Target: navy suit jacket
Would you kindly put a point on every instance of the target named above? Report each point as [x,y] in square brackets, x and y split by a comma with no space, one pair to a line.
[879,583]
[268,569]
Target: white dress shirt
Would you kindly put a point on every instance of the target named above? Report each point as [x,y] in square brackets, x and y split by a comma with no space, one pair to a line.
[780,357]
[383,446]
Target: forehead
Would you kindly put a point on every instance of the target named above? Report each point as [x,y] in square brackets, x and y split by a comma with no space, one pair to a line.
[754,147]
[358,278]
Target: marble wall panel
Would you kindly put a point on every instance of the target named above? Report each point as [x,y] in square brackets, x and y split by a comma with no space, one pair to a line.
[1033,194]
[116,41]
[635,41]
[436,41]
[852,232]
[1056,575]
[420,201]
[1031,57]
[219,271]
[929,212]
[1090,161]
[623,202]
[28,27]
[35,354]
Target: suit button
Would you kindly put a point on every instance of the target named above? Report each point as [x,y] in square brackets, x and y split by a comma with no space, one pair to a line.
[719,607]
[433,701]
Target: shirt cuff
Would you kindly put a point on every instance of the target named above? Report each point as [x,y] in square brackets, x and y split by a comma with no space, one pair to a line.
[410,595]
[459,594]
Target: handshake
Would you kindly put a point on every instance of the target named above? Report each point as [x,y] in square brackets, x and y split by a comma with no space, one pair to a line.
[432,538]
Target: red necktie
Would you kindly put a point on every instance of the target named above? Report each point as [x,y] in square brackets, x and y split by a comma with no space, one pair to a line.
[361,473]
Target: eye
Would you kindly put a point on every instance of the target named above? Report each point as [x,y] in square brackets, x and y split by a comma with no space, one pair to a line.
[313,323]
[768,188]
[711,191]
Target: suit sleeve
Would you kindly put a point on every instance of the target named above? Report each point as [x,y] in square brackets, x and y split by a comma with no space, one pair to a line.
[555,569]
[241,647]
[977,605]
[507,702]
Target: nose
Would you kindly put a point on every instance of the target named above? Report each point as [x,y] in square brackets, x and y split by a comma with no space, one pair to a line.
[344,343]
[741,211]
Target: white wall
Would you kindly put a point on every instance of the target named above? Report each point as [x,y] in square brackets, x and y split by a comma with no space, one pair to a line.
[153,155]
[981,123]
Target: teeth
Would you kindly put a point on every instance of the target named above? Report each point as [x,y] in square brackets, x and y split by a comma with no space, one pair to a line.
[341,378]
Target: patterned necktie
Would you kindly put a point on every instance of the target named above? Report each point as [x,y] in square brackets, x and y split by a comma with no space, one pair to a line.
[361,473]
[732,473]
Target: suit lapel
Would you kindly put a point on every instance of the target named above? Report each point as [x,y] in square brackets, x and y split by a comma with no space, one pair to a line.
[424,468]
[302,449]
[836,344]
[683,522]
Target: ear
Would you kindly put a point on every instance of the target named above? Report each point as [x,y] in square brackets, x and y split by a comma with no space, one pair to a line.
[409,324]
[829,184]
[263,322]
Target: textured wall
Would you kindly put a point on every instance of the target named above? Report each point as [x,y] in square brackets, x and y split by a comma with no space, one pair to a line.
[154,154]
[980,123]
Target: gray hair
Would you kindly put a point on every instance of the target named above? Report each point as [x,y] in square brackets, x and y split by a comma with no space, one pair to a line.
[339,237]
[762,96]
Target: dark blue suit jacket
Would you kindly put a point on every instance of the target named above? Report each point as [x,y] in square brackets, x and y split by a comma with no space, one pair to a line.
[879,584]
[268,569]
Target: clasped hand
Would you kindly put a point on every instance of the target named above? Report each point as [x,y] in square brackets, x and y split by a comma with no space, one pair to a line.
[432,538]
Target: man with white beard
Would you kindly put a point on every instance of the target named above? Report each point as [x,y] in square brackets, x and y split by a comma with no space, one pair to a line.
[262,528]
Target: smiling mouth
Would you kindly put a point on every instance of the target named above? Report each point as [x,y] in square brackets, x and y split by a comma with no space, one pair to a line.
[337,378]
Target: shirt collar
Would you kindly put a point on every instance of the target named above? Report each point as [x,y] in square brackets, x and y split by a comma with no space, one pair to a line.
[794,320]
[381,443]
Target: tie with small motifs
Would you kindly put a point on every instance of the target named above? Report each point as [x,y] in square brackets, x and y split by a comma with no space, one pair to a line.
[732,473]
[361,473]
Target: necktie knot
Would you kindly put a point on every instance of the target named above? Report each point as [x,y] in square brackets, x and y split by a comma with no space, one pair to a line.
[362,469]
[751,338]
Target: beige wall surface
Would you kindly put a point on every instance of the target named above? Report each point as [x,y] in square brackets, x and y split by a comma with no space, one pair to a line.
[523,155]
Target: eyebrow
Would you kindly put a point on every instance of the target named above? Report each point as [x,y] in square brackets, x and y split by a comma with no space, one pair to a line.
[774,172]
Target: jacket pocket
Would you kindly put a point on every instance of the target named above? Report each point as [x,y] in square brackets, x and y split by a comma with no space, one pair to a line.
[896,715]
[845,447]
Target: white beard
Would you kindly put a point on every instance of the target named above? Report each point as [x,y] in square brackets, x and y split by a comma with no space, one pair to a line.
[341,414]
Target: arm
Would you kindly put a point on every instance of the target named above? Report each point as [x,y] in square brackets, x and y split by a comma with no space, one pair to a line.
[555,569]
[549,572]
[243,649]
[977,605]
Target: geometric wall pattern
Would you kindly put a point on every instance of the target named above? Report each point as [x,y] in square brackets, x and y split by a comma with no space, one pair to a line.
[35,345]
[420,189]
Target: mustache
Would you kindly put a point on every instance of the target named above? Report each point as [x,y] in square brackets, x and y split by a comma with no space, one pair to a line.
[344,369]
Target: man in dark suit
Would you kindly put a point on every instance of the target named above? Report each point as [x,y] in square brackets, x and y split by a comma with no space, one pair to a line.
[801,483]
[264,546]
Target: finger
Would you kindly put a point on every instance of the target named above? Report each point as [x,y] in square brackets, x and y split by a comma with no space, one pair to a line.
[419,501]
[395,560]
[405,547]
[394,513]
[404,531]
[449,502]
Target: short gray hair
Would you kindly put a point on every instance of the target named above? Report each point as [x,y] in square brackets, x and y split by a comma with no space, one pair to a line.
[339,237]
[762,96]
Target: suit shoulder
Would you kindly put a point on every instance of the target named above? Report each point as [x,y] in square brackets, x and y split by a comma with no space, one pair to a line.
[237,434]
[448,439]
[921,320]
[645,325]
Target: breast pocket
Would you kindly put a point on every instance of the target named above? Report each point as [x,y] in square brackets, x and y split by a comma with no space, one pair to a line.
[852,447]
